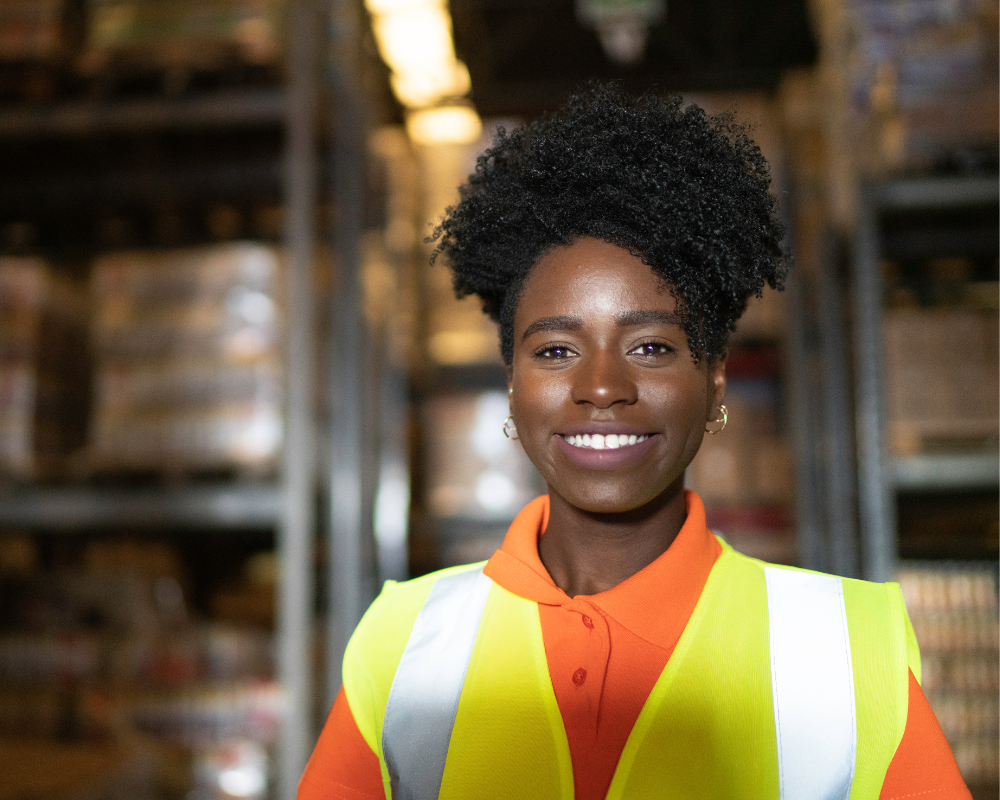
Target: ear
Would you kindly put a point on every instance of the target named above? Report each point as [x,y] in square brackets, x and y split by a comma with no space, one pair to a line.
[509,370]
[716,384]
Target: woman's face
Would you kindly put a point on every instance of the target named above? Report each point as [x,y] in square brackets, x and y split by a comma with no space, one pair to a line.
[608,402]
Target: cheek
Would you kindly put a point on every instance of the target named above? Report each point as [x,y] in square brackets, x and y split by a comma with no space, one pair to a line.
[536,402]
[679,401]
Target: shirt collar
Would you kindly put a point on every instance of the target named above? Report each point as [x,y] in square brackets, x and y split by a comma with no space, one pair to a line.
[655,603]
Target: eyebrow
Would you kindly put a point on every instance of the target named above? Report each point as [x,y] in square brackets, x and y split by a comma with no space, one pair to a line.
[628,319]
[546,324]
[633,318]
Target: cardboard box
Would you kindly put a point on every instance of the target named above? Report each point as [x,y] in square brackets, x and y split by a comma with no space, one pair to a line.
[941,377]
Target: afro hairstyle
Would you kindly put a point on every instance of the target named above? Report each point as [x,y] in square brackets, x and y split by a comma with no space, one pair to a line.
[684,191]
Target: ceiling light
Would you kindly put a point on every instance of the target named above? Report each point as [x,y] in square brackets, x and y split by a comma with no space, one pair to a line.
[427,87]
[415,39]
[622,25]
[395,6]
[444,125]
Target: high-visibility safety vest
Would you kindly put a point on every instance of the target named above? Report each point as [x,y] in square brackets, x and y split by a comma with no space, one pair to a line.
[785,684]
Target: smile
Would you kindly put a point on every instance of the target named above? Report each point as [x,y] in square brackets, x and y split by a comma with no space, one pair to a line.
[608,441]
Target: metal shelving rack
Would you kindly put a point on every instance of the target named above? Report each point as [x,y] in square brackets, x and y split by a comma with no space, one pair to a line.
[881,476]
[286,506]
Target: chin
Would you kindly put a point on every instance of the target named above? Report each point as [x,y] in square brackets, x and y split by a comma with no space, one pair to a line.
[604,499]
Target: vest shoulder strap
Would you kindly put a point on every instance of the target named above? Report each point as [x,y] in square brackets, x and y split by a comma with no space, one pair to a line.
[839,652]
[377,646]
[812,684]
[427,686]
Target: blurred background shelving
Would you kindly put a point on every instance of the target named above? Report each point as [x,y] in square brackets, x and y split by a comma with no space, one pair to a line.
[234,398]
[166,233]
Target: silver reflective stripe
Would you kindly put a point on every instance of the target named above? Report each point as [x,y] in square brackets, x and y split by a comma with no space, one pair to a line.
[812,683]
[423,700]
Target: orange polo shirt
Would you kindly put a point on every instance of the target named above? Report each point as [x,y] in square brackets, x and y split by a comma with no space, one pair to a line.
[605,652]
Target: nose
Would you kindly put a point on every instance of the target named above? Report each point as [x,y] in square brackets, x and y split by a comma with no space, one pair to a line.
[603,380]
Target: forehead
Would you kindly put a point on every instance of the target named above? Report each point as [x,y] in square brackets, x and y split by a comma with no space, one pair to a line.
[591,277]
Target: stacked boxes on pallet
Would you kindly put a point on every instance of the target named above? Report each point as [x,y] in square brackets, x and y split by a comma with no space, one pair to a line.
[191,34]
[954,614]
[43,369]
[927,71]
[942,379]
[188,374]
[31,30]
[913,80]
[106,660]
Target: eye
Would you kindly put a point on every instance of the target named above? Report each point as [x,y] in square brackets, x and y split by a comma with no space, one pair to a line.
[554,352]
[651,349]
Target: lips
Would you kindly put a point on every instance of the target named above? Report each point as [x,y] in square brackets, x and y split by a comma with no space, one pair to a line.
[605,450]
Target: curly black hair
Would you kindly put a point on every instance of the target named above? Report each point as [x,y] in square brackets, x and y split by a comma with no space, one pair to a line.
[684,191]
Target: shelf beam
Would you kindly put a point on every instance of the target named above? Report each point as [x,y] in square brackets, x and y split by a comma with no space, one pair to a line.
[218,109]
[70,509]
[921,193]
[947,472]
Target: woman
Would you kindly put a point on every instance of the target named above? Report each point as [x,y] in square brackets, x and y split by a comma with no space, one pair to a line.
[613,647]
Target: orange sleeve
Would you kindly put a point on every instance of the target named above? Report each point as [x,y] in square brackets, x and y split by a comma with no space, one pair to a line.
[923,765]
[343,766]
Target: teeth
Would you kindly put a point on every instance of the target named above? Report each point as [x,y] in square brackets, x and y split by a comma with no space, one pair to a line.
[611,441]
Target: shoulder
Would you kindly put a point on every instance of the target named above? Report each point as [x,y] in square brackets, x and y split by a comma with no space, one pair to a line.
[871,595]
[875,612]
[387,623]
[377,645]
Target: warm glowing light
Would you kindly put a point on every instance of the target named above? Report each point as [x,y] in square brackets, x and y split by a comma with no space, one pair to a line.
[415,39]
[426,87]
[444,125]
[378,7]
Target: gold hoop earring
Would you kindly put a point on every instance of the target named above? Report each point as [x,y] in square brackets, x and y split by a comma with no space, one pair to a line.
[724,419]
[509,428]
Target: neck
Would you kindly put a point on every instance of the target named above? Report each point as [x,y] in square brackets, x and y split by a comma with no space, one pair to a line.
[587,552]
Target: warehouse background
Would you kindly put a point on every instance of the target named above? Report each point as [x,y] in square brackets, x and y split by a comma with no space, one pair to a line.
[234,398]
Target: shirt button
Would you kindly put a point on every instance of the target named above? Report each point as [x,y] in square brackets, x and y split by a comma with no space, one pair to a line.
[588,622]
[580,676]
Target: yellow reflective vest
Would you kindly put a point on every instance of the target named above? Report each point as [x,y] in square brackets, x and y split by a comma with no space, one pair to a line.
[785,684]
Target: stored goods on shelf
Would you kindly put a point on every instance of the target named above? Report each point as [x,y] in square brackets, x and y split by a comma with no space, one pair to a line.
[201,716]
[50,769]
[941,379]
[188,371]
[474,470]
[43,369]
[954,613]
[196,34]
[97,654]
[31,30]
[921,76]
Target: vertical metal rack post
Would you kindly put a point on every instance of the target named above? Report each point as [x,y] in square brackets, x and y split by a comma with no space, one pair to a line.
[835,427]
[820,412]
[286,507]
[878,475]
[350,558]
[296,529]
